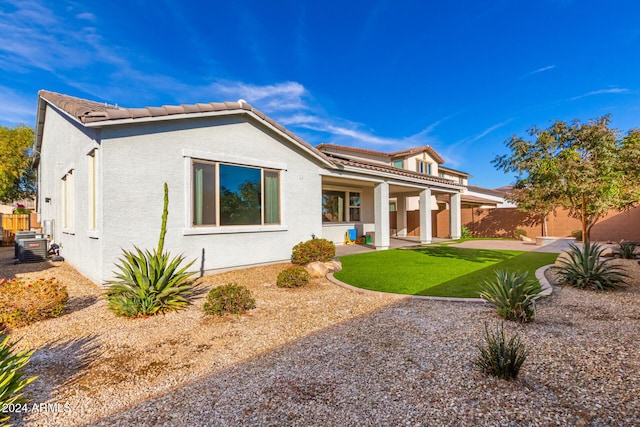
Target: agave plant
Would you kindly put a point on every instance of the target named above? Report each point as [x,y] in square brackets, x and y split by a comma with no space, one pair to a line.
[627,250]
[500,357]
[150,283]
[512,294]
[584,269]
[11,377]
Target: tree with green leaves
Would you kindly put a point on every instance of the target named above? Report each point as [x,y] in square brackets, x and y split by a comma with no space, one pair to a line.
[586,168]
[17,179]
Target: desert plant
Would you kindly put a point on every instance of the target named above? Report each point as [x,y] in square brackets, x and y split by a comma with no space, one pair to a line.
[582,268]
[313,250]
[293,277]
[627,250]
[25,301]
[499,356]
[519,233]
[577,234]
[512,294]
[11,376]
[230,298]
[149,283]
[465,233]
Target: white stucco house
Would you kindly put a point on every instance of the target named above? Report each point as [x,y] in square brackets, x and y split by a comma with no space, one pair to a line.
[243,190]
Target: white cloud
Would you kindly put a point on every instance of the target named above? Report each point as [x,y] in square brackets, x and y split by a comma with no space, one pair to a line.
[487,131]
[601,92]
[540,70]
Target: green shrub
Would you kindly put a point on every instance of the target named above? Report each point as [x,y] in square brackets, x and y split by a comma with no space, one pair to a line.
[584,270]
[230,298]
[500,357]
[313,250]
[577,234]
[627,250]
[512,294]
[465,233]
[11,376]
[23,302]
[519,233]
[293,277]
[150,283]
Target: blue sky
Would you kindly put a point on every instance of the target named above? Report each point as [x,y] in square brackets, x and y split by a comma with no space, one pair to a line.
[461,76]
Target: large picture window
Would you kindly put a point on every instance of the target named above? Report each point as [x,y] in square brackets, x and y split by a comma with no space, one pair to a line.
[225,194]
[340,206]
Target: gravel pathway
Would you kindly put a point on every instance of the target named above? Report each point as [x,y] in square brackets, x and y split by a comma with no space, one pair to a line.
[322,355]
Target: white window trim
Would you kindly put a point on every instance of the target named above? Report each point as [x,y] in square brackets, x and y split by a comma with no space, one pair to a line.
[191,156]
[347,191]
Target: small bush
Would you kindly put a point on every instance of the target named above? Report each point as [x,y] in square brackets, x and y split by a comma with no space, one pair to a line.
[627,250]
[584,270]
[500,357]
[230,298]
[465,233]
[293,277]
[519,233]
[11,380]
[23,302]
[512,294]
[577,234]
[313,250]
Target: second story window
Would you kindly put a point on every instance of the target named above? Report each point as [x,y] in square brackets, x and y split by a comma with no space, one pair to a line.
[398,163]
[423,167]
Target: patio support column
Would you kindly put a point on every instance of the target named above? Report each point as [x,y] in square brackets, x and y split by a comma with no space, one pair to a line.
[381,217]
[401,217]
[425,216]
[455,215]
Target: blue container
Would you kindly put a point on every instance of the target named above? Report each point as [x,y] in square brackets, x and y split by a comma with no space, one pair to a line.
[353,234]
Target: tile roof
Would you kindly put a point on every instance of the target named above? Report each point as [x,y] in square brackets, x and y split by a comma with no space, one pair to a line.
[446,169]
[324,146]
[486,190]
[96,113]
[390,169]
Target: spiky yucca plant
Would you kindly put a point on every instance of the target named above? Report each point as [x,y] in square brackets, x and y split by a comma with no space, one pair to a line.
[500,357]
[11,376]
[150,282]
[627,250]
[512,294]
[584,269]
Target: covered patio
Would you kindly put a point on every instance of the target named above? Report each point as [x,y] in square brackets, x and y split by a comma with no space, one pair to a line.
[361,196]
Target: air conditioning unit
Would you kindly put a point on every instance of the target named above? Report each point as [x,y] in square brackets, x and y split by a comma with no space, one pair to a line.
[20,235]
[33,250]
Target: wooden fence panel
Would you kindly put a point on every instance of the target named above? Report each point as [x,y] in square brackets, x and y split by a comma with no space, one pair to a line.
[11,224]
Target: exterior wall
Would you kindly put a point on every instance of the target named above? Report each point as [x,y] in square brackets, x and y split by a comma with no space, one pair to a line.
[65,147]
[503,222]
[139,159]
[411,163]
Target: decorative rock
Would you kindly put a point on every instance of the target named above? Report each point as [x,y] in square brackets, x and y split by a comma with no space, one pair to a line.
[564,256]
[608,253]
[316,269]
[526,239]
[333,265]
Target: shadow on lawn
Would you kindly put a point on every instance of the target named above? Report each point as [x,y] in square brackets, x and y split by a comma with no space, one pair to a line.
[471,255]
[470,283]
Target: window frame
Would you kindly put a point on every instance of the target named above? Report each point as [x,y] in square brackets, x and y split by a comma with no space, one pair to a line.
[67,199]
[423,167]
[193,157]
[401,161]
[347,204]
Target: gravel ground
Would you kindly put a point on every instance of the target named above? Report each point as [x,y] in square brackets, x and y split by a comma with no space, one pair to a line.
[322,355]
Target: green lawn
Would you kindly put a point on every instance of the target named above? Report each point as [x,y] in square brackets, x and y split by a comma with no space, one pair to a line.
[435,270]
